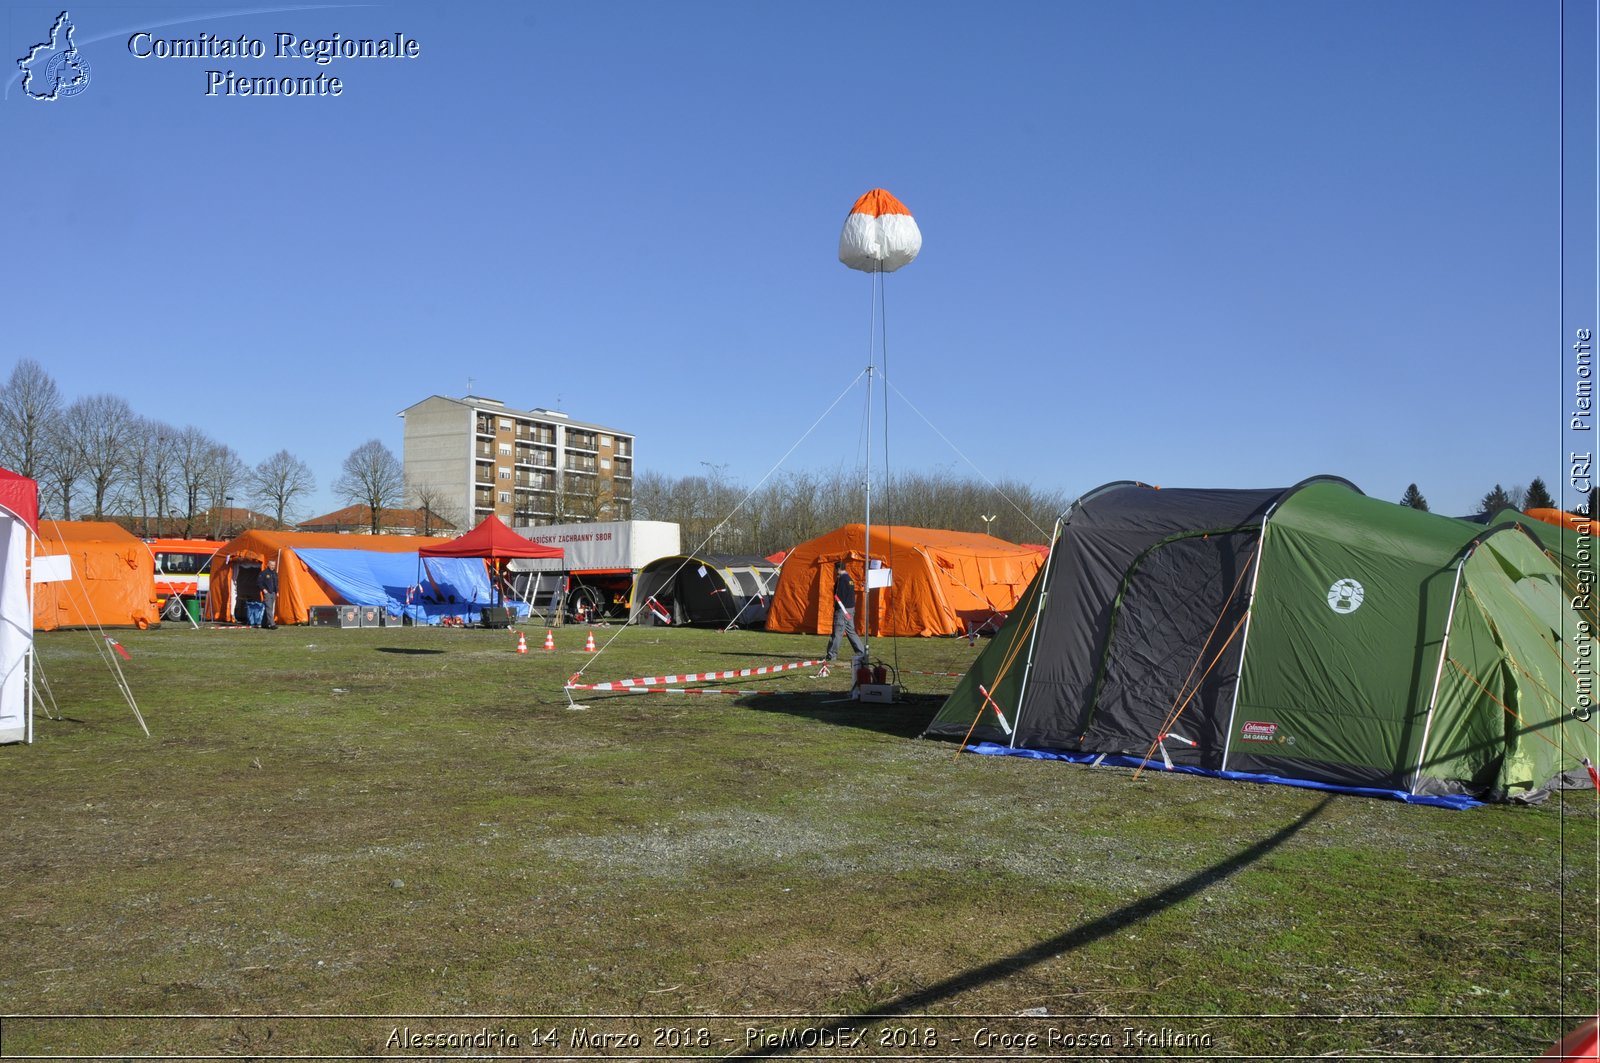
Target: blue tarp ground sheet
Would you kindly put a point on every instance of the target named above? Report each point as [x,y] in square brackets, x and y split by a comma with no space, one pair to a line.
[991,749]
[402,584]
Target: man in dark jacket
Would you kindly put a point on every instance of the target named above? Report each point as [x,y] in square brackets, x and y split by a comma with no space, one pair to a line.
[267,585]
[844,610]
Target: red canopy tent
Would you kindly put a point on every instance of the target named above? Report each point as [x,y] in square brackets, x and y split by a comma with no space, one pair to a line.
[19,524]
[20,495]
[493,542]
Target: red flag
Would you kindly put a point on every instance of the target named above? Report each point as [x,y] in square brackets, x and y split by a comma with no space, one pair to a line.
[1594,776]
[114,644]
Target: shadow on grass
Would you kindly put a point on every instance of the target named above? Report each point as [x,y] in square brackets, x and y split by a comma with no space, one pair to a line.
[405,649]
[1068,941]
[906,718]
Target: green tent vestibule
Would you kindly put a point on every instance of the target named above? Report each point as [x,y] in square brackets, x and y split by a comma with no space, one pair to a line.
[1309,635]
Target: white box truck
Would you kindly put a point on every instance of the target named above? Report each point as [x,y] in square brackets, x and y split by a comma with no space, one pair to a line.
[594,580]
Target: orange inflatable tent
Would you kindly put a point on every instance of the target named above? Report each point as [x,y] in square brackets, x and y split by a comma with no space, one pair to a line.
[113,580]
[240,558]
[1561,519]
[942,582]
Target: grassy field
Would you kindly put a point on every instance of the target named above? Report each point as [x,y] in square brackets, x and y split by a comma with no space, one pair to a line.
[413,828]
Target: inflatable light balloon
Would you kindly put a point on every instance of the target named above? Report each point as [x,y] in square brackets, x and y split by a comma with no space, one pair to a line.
[880,235]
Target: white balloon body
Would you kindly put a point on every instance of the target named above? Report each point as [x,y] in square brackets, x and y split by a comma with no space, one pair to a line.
[879,243]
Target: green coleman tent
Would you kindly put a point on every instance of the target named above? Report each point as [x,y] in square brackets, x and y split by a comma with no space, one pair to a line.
[1569,547]
[1309,635]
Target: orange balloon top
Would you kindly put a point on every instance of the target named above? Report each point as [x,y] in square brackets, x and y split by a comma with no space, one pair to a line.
[877,203]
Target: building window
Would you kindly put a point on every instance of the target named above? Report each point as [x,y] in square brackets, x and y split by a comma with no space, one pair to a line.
[505,448]
[505,473]
[505,496]
[605,463]
[505,422]
[605,441]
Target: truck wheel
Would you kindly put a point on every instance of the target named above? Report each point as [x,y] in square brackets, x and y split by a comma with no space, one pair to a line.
[586,602]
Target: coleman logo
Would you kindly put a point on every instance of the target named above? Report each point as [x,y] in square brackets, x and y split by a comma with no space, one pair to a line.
[1258,732]
[1345,596]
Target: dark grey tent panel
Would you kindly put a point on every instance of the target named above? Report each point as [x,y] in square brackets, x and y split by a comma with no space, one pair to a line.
[705,589]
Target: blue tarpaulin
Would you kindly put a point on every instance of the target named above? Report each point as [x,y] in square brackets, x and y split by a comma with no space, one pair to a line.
[405,585]
[990,749]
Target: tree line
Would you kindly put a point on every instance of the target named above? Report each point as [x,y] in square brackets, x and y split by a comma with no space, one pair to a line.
[95,458]
[719,515]
[1535,496]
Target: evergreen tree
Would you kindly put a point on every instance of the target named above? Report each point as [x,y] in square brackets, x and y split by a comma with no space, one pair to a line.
[1414,499]
[1494,501]
[1538,496]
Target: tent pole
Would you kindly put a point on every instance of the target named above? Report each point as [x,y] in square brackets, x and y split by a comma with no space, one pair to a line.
[1244,638]
[27,667]
[1033,636]
[1438,674]
[866,548]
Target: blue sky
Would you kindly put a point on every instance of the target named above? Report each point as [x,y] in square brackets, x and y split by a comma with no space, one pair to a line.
[1223,243]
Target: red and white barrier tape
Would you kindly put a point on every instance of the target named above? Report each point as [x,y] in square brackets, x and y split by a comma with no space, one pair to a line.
[713,690]
[696,677]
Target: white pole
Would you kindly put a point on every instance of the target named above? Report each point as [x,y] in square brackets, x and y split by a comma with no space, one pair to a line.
[1438,673]
[1033,636]
[866,564]
[1244,637]
[27,666]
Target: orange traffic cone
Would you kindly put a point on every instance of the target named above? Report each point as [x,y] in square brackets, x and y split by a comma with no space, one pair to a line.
[588,643]
[522,643]
[549,639]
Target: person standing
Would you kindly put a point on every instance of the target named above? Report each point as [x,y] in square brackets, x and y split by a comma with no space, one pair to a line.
[267,587]
[844,610]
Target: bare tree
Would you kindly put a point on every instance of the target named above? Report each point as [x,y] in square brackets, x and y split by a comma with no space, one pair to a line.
[193,455]
[226,475]
[652,496]
[29,404]
[278,481]
[438,507]
[576,499]
[152,471]
[62,467]
[371,476]
[104,427]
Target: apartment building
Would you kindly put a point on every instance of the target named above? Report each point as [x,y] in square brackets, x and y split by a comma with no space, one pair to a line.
[467,458]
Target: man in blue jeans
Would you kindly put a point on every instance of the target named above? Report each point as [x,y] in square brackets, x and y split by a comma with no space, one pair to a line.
[267,587]
[844,609]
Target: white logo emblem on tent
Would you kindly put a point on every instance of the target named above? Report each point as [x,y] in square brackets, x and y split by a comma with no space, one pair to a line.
[1345,596]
